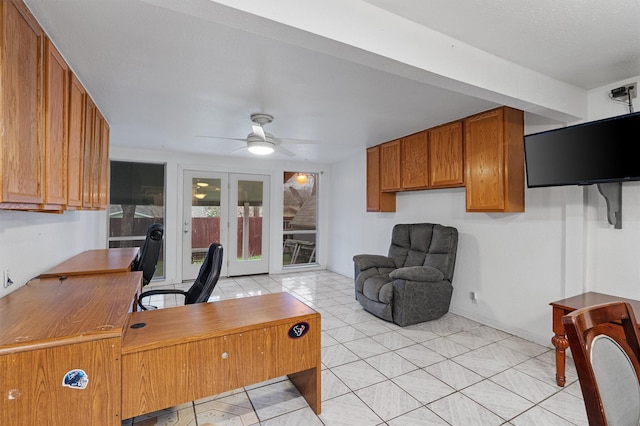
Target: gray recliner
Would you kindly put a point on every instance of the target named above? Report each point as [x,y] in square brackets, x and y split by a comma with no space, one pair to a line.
[413,283]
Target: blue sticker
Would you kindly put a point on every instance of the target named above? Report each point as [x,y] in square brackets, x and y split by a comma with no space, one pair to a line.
[298,330]
[76,379]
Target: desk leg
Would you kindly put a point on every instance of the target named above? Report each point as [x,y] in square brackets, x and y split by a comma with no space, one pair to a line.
[308,384]
[560,342]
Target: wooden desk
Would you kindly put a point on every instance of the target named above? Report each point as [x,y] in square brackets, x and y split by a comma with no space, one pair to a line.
[99,261]
[194,351]
[565,306]
[50,327]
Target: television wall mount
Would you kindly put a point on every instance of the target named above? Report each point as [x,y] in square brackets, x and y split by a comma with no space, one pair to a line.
[625,94]
[612,193]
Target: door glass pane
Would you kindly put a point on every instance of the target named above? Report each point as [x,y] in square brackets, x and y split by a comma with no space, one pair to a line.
[299,218]
[205,216]
[250,212]
[136,201]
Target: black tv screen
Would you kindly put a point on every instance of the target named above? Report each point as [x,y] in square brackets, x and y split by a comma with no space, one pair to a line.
[595,152]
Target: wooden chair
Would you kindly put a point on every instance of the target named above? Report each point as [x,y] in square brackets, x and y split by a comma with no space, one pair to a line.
[605,344]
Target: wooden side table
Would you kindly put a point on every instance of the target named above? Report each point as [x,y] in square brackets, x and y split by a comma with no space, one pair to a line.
[565,306]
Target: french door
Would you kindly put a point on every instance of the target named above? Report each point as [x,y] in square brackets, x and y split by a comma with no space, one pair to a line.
[231,209]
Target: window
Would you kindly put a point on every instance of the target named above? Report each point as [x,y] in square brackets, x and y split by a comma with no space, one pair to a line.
[136,201]
[299,218]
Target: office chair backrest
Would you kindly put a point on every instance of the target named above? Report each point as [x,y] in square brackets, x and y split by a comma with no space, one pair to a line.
[150,252]
[607,359]
[208,276]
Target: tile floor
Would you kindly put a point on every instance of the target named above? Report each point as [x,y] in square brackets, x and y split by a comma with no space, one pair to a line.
[451,371]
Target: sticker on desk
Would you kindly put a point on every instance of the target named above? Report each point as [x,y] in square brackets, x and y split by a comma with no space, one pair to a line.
[76,379]
[298,330]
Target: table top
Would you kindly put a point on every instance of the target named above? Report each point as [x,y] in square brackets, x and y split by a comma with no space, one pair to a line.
[181,324]
[51,312]
[98,261]
[592,298]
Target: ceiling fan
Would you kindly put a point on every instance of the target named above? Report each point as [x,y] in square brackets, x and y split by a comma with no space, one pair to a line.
[260,142]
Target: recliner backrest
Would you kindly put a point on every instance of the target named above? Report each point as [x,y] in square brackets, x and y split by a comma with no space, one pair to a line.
[203,286]
[150,252]
[424,244]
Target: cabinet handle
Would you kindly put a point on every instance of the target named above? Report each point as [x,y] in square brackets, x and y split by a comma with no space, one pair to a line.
[225,355]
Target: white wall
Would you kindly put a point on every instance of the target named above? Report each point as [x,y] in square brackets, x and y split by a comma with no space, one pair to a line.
[31,243]
[560,246]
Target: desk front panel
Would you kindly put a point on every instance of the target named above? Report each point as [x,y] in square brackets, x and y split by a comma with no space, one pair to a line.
[32,385]
[160,375]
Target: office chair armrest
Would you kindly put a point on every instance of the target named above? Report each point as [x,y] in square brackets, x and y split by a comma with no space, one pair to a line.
[159,291]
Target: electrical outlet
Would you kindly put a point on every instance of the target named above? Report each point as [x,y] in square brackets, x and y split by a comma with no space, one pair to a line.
[6,281]
[474,297]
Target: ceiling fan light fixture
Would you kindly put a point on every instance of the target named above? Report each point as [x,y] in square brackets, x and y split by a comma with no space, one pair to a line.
[260,147]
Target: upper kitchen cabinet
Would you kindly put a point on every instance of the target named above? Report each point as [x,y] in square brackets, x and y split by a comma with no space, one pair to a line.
[377,201]
[446,164]
[494,161]
[414,168]
[390,162]
[21,108]
[56,107]
[75,164]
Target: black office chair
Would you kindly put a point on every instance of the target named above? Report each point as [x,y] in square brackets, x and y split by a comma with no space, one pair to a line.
[149,253]
[202,287]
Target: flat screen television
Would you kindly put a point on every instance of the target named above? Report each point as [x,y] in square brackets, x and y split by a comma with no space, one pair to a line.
[595,152]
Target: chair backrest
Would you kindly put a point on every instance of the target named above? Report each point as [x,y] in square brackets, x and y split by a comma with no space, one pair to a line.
[150,252]
[208,276]
[607,359]
[425,244]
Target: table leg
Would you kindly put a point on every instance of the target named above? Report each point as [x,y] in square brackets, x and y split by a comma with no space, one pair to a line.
[561,344]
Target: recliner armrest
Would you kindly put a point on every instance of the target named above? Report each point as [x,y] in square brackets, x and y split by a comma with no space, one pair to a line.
[417,273]
[367,261]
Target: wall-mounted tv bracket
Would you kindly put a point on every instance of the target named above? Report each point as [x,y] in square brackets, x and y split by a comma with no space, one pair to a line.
[612,193]
[628,91]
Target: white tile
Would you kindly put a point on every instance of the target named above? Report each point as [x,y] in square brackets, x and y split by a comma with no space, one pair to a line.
[391,364]
[387,399]
[423,386]
[457,409]
[445,347]
[336,355]
[419,355]
[499,400]
[454,375]
[524,385]
[345,334]
[567,406]
[304,416]
[521,345]
[348,410]
[393,340]
[358,375]
[276,399]
[231,410]
[366,347]
[491,359]
[332,386]
[538,416]
[420,417]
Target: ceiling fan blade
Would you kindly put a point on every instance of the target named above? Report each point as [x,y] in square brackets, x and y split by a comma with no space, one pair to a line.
[284,151]
[259,132]
[242,148]
[220,137]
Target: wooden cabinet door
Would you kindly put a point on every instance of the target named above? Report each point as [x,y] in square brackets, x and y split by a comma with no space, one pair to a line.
[485,161]
[103,187]
[87,173]
[414,168]
[390,160]
[21,115]
[446,165]
[75,168]
[55,130]
[377,201]
[96,159]
[494,163]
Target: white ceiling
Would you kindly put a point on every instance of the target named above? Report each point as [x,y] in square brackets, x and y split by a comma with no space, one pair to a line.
[346,73]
